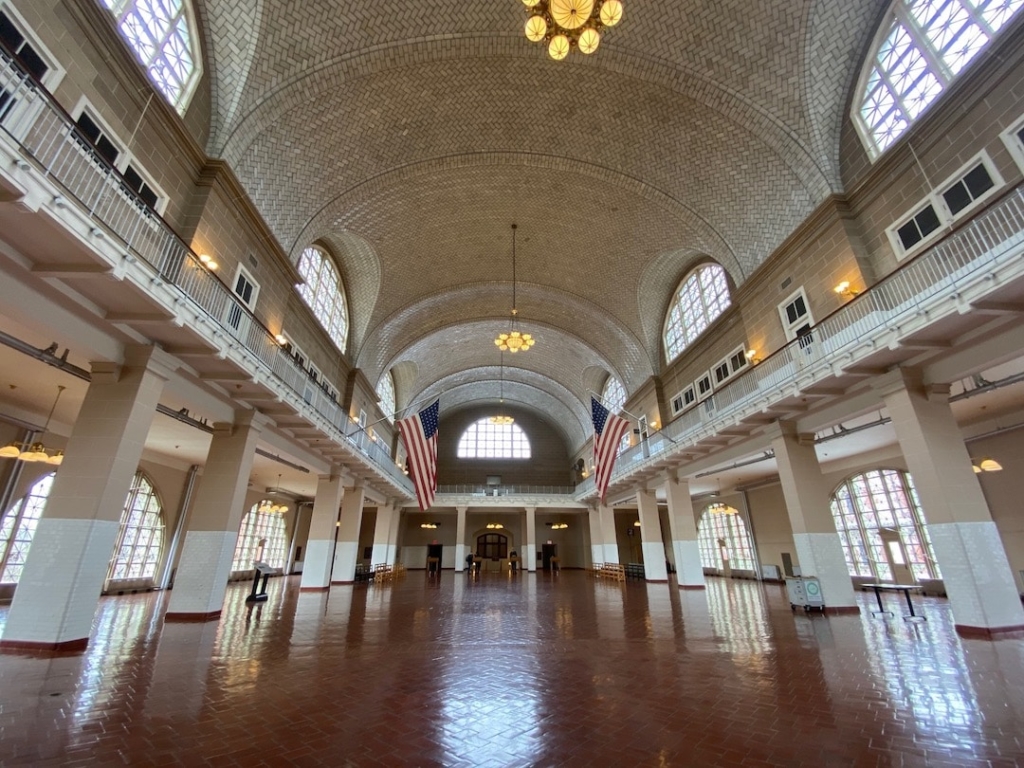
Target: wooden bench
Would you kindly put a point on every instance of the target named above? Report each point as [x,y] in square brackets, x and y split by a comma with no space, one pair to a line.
[612,571]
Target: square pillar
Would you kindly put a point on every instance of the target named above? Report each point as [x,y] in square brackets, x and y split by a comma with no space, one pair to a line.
[531,539]
[596,540]
[67,564]
[967,545]
[609,539]
[323,529]
[346,554]
[814,531]
[460,538]
[689,571]
[205,563]
[651,543]
[383,531]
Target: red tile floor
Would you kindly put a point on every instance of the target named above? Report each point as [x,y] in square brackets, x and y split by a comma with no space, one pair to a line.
[531,671]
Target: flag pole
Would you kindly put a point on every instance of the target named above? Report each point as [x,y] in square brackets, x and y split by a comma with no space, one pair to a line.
[632,416]
[391,418]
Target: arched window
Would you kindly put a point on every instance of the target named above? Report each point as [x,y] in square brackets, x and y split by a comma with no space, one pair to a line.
[19,526]
[484,440]
[386,392]
[723,535]
[141,534]
[163,36]
[700,299]
[922,46]
[614,397]
[323,293]
[871,507]
[262,537]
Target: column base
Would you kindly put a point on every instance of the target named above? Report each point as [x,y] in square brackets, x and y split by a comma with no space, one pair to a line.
[31,646]
[980,633]
[840,610]
[693,586]
[314,589]
[192,617]
[342,583]
[656,581]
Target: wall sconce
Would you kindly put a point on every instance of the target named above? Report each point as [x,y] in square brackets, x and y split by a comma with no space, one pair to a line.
[844,289]
[636,524]
[557,526]
[986,465]
[208,262]
[654,425]
[431,526]
[751,355]
[281,339]
[495,526]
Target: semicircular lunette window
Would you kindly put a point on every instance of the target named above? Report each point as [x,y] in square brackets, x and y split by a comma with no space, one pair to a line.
[924,46]
[324,294]
[699,300]
[162,35]
[486,440]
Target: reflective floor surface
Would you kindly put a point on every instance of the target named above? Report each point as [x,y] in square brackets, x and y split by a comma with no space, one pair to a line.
[531,671]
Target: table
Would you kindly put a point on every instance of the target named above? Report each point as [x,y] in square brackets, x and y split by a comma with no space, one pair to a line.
[905,589]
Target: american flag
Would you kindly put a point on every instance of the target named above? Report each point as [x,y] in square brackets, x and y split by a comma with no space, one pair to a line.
[419,433]
[608,432]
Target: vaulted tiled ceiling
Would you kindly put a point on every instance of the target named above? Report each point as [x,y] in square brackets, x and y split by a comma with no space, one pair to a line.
[409,134]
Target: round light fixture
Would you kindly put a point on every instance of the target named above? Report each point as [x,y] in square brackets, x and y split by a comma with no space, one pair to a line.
[571,14]
[536,28]
[568,24]
[611,12]
[558,48]
[589,41]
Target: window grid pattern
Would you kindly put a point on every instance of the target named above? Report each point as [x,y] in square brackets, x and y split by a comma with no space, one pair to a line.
[484,440]
[262,537]
[386,392]
[19,527]
[702,297]
[141,534]
[929,42]
[882,498]
[717,530]
[322,292]
[159,33]
[614,397]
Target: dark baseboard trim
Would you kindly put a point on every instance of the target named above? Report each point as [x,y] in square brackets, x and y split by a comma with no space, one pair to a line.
[694,587]
[656,581]
[840,610]
[192,617]
[989,633]
[342,583]
[315,589]
[37,648]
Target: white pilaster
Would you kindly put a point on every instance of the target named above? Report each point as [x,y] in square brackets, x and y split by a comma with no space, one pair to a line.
[531,539]
[460,538]
[689,571]
[383,548]
[596,542]
[346,554]
[651,542]
[609,539]
[323,530]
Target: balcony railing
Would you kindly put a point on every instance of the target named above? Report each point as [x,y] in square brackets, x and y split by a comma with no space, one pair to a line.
[49,139]
[507,490]
[850,332]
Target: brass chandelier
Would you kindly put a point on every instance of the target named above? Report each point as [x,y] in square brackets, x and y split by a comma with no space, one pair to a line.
[568,24]
[514,341]
[37,451]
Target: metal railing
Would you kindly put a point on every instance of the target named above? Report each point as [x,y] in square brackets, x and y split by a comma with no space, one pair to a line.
[910,292]
[507,490]
[49,139]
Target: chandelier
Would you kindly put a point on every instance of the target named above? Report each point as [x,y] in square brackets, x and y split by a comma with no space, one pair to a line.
[269,506]
[514,341]
[568,24]
[37,451]
[499,417]
[718,508]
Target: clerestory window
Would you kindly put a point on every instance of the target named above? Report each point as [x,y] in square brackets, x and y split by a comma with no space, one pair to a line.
[324,294]
[699,300]
[486,440]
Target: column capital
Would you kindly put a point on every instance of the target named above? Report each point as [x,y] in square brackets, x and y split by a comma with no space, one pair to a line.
[462,509]
[911,380]
[252,418]
[153,359]
[530,510]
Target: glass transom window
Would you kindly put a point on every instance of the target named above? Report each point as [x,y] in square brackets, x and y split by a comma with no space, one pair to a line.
[700,299]
[924,46]
[322,292]
[386,392]
[162,35]
[261,537]
[484,440]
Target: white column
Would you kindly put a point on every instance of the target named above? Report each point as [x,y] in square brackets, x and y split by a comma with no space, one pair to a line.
[346,554]
[394,532]
[205,563]
[609,538]
[596,540]
[968,547]
[531,539]
[383,548]
[67,564]
[323,529]
[650,532]
[814,532]
[460,538]
[689,571]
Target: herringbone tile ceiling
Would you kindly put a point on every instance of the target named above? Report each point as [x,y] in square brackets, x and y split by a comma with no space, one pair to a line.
[410,134]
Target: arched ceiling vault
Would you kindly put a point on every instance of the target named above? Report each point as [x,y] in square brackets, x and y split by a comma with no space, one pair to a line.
[407,137]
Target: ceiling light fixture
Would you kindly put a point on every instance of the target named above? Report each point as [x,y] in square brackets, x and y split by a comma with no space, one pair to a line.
[495,526]
[431,526]
[514,341]
[501,418]
[270,507]
[37,451]
[568,24]
[718,508]
[986,465]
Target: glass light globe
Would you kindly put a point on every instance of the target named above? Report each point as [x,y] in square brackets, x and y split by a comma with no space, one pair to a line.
[611,12]
[530,3]
[536,28]
[589,41]
[558,48]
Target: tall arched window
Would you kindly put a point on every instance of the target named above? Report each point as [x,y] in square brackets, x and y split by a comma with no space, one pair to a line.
[723,535]
[386,393]
[163,36]
[262,537]
[699,300]
[866,508]
[484,440]
[141,535]
[614,397]
[922,46]
[324,294]
[19,527]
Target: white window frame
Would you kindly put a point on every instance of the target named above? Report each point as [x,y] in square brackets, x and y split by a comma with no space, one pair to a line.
[702,396]
[892,232]
[23,115]
[982,158]
[688,342]
[1013,142]
[681,397]
[727,362]
[808,319]
[251,304]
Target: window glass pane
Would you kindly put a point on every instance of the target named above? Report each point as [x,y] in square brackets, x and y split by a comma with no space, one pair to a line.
[700,299]
[261,537]
[485,440]
[386,392]
[322,292]
[19,528]
[141,533]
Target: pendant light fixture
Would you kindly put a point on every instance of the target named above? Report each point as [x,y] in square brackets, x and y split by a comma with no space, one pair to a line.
[37,451]
[501,418]
[514,341]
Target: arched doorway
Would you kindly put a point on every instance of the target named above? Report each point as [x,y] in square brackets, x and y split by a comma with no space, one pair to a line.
[493,547]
